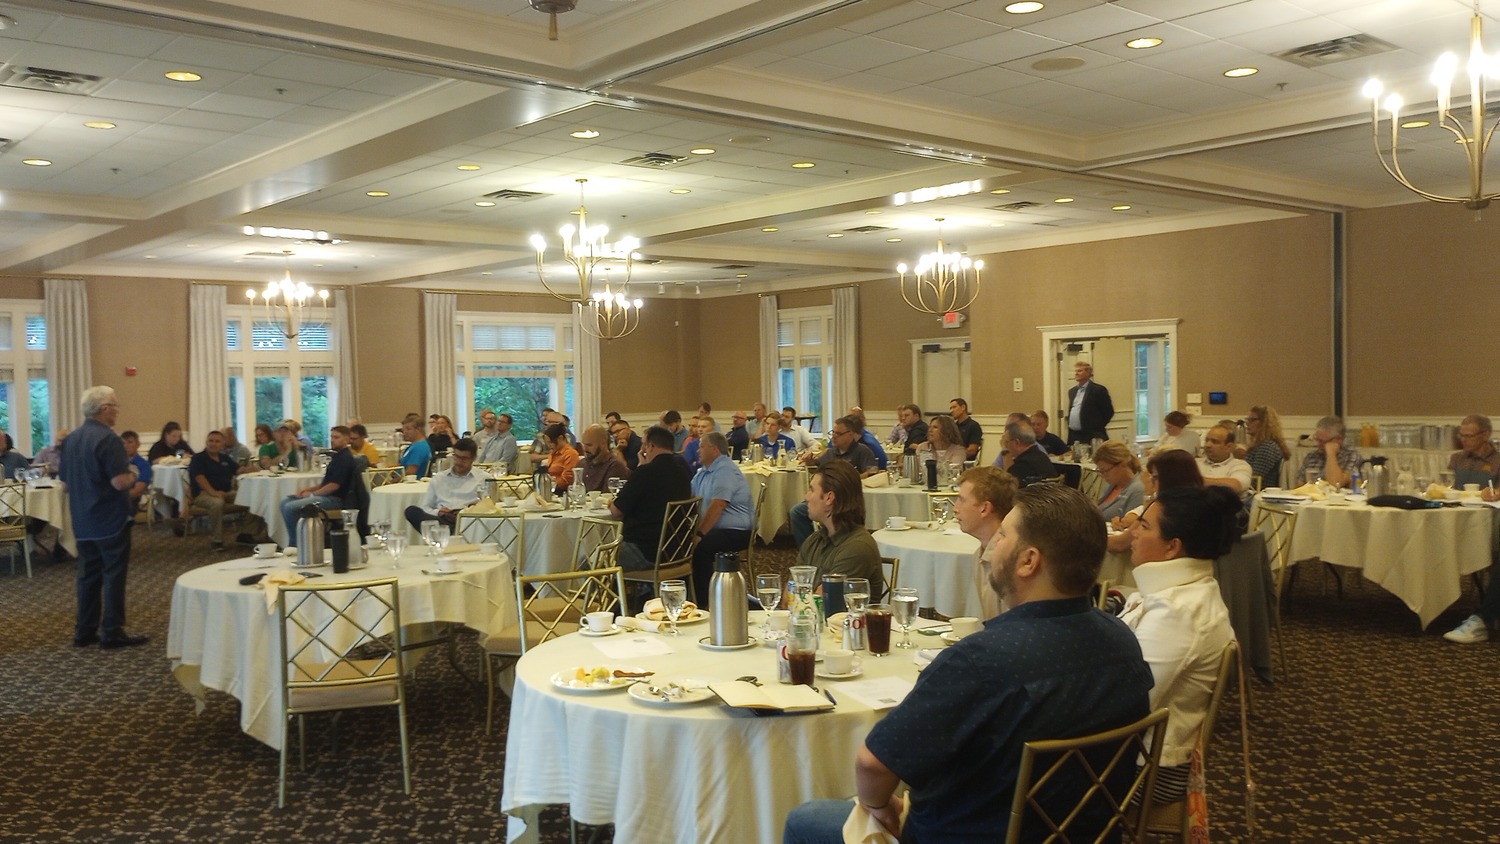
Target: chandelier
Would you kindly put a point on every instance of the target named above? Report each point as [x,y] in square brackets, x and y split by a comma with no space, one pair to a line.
[287,303]
[1473,137]
[941,282]
[604,313]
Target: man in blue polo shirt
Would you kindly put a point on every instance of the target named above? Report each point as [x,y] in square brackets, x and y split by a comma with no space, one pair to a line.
[418,453]
[727,513]
[212,473]
[1050,667]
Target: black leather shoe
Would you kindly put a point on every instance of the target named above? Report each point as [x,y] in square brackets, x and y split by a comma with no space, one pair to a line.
[85,640]
[121,639]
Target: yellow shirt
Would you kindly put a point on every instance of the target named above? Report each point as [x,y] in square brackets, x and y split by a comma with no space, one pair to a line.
[371,453]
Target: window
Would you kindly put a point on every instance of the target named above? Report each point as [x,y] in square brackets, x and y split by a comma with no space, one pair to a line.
[516,364]
[272,378]
[25,412]
[804,338]
[1153,384]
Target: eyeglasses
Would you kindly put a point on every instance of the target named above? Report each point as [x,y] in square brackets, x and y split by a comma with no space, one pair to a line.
[1474,436]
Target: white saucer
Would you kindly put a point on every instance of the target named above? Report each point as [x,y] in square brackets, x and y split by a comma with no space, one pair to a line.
[950,638]
[829,675]
[903,527]
[584,631]
[703,643]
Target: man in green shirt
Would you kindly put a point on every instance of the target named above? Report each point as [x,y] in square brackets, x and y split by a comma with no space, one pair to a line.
[836,500]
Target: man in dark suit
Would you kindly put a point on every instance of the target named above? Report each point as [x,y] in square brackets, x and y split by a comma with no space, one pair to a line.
[1089,406]
[1027,462]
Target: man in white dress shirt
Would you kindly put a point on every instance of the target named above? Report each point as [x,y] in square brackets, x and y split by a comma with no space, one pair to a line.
[800,435]
[450,491]
[1219,465]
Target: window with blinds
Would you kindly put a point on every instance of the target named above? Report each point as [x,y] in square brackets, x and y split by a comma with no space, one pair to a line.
[513,363]
[272,377]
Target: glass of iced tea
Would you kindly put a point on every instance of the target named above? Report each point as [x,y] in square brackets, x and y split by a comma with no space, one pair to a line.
[802,651]
[878,628]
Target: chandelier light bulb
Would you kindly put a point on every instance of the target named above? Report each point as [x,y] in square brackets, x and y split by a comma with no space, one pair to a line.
[1372,89]
[602,312]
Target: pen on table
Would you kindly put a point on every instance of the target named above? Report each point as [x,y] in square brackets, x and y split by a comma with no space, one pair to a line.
[829,695]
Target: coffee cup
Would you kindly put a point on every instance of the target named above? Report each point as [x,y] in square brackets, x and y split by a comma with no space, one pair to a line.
[599,622]
[265,549]
[838,661]
[508,502]
[408,479]
[777,619]
[965,625]
[489,547]
[896,522]
[447,564]
[372,542]
[1471,488]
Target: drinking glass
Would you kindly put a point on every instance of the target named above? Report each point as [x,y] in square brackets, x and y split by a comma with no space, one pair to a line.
[768,590]
[904,612]
[673,596]
[381,528]
[878,629]
[856,594]
[615,485]
[395,544]
[804,574]
[432,534]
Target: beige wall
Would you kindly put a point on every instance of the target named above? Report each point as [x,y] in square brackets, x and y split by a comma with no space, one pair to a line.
[659,366]
[729,353]
[149,333]
[387,328]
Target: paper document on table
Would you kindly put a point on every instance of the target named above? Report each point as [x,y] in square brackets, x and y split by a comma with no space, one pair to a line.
[632,647]
[882,693]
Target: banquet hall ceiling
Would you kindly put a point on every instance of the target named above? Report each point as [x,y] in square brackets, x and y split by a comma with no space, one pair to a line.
[303,110]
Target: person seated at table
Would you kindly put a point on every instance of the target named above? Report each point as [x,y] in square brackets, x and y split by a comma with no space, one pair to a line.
[1333,460]
[540,446]
[672,421]
[857,413]
[1050,667]
[501,450]
[1477,461]
[599,463]
[1267,450]
[642,503]
[338,479]
[969,431]
[282,450]
[1176,434]
[561,458]
[450,491]
[944,444]
[264,443]
[138,465]
[985,496]
[1178,615]
[237,451]
[800,435]
[50,457]
[418,454]
[360,445]
[303,440]
[697,427]
[170,444]
[836,500]
[442,434]
[487,423]
[726,515]
[909,417]
[12,461]
[1219,466]
[739,435]
[1050,442]
[1165,470]
[1121,472]
[212,473]
[844,446]
[627,443]
[757,416]
[1026,461]
[773,438]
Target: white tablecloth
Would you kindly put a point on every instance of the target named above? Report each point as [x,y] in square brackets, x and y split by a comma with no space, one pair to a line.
[939,565]
[390,502]
[172,482]
[1420,556]
[881,504]
[50,504]
[784,488]
[221,636]
[262,493]
[550,538]
[693,773]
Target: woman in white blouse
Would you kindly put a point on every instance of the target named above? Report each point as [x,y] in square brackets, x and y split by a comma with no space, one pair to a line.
[1178,616]
[944,443]
[1177,434]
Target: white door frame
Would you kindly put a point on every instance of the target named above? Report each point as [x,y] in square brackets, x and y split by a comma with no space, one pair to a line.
[1052,335]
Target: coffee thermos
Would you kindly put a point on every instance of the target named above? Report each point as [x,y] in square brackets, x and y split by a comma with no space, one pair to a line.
[729,623]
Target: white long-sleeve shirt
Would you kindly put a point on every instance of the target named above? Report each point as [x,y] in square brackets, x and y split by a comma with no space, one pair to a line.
[454,491]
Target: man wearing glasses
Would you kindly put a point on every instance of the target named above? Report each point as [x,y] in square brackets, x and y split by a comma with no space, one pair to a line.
[1333,460]
[1477,463]
[843,444]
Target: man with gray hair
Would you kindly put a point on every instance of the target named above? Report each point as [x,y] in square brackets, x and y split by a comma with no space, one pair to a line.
[1333,460]
[1027,462]
[99,479]
[727,513]
[1477,463]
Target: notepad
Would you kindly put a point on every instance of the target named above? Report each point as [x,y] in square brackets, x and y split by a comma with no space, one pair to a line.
[776,698]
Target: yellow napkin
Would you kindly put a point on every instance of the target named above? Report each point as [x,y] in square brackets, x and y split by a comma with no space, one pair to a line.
[1309,490]
[654,611]
[483,506]
[879,480]
[862,828]
[273,582]
[756,469]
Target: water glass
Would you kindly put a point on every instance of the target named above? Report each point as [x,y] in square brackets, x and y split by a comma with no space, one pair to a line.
[856,594]
[432,534]
[673,597]
[768,590]
[395,544]
[904,611]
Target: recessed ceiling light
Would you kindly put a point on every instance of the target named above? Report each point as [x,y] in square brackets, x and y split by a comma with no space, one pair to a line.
[1062,200]
[99,124]
[1000,191]
[1237,72]
[893,240]
[1120,208]
[997,225]
[1415,124]
[1143,43]
[872,212]
[835,234]
[317,265]
[679,191]
[377,193]
[182,76]
[802,165]
[1023,8]
[703,151]
[741,275]
[36,162]
[149,257]
[191,245]
[585,134]
[769,229]
[468,166]
[485,203]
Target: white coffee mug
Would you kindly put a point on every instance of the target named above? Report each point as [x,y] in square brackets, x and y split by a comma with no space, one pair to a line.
[447,564]
[838,661]
[508,502]
[599,622]
[896,522]
[408,479]
[265,549]
[964,625]
[1471,487]
[778,619]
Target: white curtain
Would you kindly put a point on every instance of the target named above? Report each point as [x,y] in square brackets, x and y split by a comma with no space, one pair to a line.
[69,373]
[845,349]
[770,353]
[440,317]
[343,371]
[586,384]
[208,363]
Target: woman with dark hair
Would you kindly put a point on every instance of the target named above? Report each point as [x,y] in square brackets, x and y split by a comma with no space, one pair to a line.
[170,444]
[944,442]
[264,447]
[1177,435]
[11,461]
[1178,615]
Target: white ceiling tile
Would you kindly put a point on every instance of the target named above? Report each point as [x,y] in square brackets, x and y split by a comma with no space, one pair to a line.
[863,53]
[201,54]
[939,30]
[1007,46]
[390,82]
[245,106]
[1173,9]
[889,17]
[983,81]
[56,57]
[870,83]
[805,70]
[926,68]
[1244,17]
[1091,23]
[149,93]
[123,40]
[278,90]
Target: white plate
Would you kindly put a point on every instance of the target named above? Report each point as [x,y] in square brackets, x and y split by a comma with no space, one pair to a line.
[697,692]
[584,631]
[564,680]
[829,675]
[703,643]
[903,527]
[950,638]
[701,616]
[1471,502]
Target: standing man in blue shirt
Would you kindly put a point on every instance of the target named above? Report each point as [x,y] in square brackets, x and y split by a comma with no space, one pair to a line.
[727,513]
[99,480]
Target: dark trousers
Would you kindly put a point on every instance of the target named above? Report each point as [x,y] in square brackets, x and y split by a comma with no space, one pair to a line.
[101,584]
[715,542]
[415,516]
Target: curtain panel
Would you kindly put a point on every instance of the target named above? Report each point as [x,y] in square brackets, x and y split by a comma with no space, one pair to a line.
[770,354]
[69,372]
[588,389]
[440,317]
[343,371]
[845,351]
[208,361]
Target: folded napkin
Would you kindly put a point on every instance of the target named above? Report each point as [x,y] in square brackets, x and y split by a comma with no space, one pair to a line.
[533,504]
[1310,490]
[756,469]
[630,622]
[482,507]
[273,582]
[862,828]
[654,611]
[879,480]
[460,548]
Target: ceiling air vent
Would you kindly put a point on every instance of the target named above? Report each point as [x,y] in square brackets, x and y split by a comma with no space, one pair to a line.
[514,195]
[1016,206]
[655,160]
[6,144]
[868,229]
[1336,50]
[46,79]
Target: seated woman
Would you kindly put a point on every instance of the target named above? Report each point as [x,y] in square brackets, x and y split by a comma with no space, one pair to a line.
[1177,435]
[441,439]
[170,444]
[1121,470]
[773,437]
[264,443]
[1167,470]
[1178,615]
[944,442]
[283,450]
[1267,449]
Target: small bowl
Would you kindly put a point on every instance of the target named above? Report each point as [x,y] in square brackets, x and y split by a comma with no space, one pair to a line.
[1453,495]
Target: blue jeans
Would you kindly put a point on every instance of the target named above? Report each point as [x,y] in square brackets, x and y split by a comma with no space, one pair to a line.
[817,822]
[802,526]
[291,512]
[101,584]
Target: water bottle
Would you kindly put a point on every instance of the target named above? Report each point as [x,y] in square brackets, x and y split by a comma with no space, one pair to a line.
[338,540]
[729,623]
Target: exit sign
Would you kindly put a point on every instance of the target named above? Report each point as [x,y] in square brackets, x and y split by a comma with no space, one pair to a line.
[953,319]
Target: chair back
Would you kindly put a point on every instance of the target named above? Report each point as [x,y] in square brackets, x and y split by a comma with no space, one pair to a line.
[376,478]
[357,497]
[593,533]
[558,601]
[890,568]
[508,532]
[606,555]
[677,527]
[1280,525]
[516,485]
[1173,818]
[760,500]
[12,507]
[1090,484]
[327,633]
[1096,759]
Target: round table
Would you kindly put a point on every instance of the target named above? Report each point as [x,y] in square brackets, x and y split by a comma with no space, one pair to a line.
[47,501]
[222,637]
[172,481]
[939,565]
[884,502]
[389,502]
[699,772]
[784,489]
[263,492]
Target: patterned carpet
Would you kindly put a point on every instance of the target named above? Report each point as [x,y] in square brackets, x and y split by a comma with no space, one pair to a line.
[1382,733]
